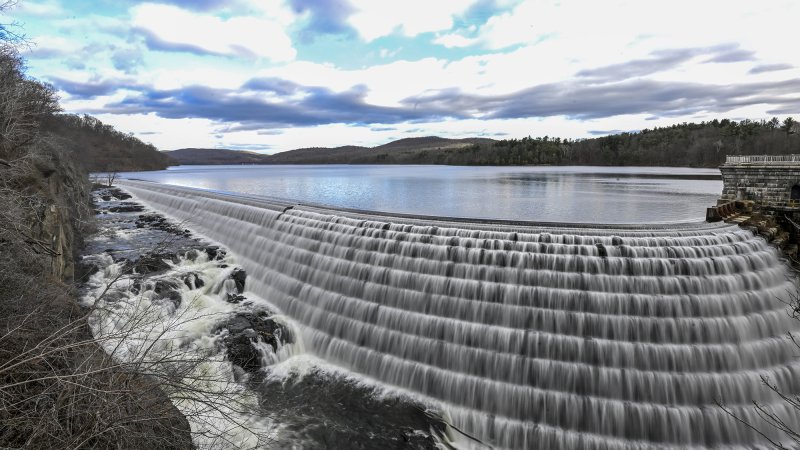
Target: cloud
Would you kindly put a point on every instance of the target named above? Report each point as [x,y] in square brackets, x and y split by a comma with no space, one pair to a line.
[196,5]
[169,28]
[606,132]
[271,103]
[275,85]
[127,60]
[44,9]
[469,22]
[737,55]
[585,101]
[373,19]
[90,89]
[47,47]
[324,16]
[661,60]
[770,68]
[251,110]
[455,41]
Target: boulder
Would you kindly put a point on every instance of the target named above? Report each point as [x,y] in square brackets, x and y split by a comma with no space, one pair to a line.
[239,276]
[244,330]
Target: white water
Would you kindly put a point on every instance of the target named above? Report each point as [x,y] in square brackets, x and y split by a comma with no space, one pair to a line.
[177,346]
[526,335]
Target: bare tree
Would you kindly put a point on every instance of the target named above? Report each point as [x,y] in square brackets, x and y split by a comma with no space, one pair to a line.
[64,386]
[111,176]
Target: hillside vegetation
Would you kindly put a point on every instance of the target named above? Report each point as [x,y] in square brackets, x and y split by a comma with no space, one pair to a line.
[98,147]
[210,156]
[58,388]
[403,151]
[695,145]
[704,144]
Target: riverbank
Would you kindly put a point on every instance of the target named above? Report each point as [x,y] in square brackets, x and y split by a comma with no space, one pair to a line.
[58,388]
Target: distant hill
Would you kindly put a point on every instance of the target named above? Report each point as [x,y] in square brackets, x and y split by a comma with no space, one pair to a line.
[403,151]
[98,147]
[203,156]
[349,154]
[704,144]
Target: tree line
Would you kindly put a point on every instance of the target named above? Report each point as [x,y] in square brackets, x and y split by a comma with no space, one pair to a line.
[704,144]
[99,147]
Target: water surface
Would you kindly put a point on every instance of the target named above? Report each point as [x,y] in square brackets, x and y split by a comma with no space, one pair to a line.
[548,194]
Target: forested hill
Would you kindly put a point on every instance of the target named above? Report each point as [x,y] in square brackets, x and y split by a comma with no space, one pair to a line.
[690,144]
[195,156]
[402,151]
[98,147]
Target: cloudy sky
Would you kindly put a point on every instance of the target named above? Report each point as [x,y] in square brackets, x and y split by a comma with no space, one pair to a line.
[271,75]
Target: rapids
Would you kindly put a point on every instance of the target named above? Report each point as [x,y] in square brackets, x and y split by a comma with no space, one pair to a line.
[528,335]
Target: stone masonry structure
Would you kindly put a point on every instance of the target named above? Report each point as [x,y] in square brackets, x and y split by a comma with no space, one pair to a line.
[768,180]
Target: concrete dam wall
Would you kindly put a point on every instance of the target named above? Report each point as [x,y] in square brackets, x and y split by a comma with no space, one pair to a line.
[529,336]
[769,180]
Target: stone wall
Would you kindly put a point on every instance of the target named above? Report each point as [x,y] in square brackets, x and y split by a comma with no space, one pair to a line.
[768,183]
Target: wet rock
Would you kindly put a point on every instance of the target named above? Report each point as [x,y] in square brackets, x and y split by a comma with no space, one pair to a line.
[192,255]
[193,281]
[159,222]
[109,192]
[601,250]
[214,252]
[239,276]
[119,193]
[153,262]
[163,287]
[126,207]
[235,298]
[84,270]
[136,286]
[244,331]
[150,220]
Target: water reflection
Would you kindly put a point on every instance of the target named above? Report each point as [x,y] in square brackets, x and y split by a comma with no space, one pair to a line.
[555,194]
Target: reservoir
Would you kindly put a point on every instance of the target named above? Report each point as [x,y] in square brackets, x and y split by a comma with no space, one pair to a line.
[536,193]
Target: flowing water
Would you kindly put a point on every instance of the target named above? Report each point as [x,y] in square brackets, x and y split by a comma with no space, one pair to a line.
[526,335]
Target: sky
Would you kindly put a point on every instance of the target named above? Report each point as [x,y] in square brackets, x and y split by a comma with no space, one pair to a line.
[273,75]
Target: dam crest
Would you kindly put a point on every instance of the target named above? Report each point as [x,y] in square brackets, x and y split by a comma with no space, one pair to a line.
[528,335]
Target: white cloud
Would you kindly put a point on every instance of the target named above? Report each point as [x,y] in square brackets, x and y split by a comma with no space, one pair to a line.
[620,23]
[235,36]
[455,40]
[47,45]
[166,134]
[378,18]
[45,8]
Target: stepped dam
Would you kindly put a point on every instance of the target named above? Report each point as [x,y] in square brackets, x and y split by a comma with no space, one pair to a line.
[526,335]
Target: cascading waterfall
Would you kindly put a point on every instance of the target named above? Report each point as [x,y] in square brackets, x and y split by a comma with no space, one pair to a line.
[529,336]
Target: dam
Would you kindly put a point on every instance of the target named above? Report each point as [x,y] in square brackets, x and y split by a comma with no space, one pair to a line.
[544,336]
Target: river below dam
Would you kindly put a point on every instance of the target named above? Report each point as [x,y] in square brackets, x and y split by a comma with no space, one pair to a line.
[537,193]
[376,330]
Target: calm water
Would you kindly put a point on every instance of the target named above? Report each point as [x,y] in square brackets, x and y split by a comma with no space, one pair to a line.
[551,194]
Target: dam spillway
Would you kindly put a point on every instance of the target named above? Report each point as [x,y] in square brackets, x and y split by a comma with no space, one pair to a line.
[529,336]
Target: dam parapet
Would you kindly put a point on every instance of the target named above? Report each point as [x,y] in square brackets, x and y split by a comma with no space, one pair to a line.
[762,193]
[766,179]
